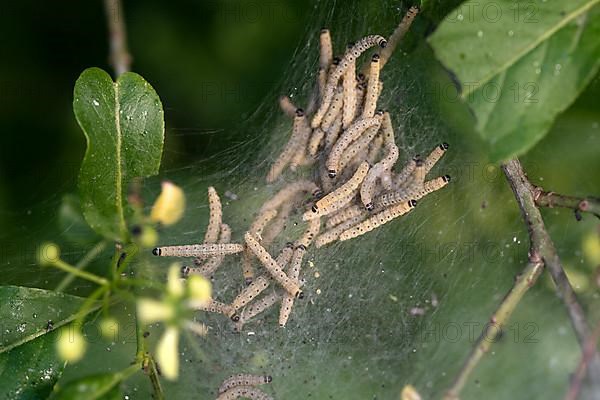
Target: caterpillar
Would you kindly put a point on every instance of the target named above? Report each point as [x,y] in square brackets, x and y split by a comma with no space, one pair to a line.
[271,265]
[244,392]
[339,197]
[294,273]
[351,134]
[351,55]
[199,250]
[377,220]
[244,380]
[216,215]
[372,88]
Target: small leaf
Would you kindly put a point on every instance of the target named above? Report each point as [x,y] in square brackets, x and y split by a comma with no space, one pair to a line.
[25,314]
[95,387]
[123,123]
[519,64]
[29,372]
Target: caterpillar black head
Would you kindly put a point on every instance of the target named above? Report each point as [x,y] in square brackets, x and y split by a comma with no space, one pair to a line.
[156,251]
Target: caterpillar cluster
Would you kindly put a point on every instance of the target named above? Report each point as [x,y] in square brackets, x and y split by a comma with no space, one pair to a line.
[351,148]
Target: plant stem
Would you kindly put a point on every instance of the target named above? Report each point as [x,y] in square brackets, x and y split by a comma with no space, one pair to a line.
[586,357]
[87,258]
[119,55]
[541,253]
[154,379]
[551,199]
[88,305]
[497,322]
[60,264]
[542,244]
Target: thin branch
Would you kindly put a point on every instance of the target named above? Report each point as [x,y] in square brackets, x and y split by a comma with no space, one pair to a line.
[578,204]
[541,253]
[89,257]
[586,357]
[120,59]
[497,322]
[542,244]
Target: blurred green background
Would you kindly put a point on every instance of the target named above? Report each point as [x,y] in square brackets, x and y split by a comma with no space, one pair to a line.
[219,67]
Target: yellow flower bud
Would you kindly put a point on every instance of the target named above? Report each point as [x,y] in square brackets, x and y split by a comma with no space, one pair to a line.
[174,280]
[169,205]
[410,393]
[167,353]
[48,254]
[109,328]
[71,344]
[591,248]
[149,237]
[150,311]
[199,288]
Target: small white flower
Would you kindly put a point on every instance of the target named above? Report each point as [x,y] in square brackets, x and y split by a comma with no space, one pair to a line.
[167,353]
[71,344]
[169,206]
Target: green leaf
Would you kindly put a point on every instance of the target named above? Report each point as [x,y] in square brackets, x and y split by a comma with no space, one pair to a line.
[519,64]
[95,387]
[123,123]
[29,372]
[25,313]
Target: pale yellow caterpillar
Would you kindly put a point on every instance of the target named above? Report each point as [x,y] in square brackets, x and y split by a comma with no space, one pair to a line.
[326,49]
[375,149]
[247,392]
[367,189]
[378,219]
[398,34]
[402,177]
[278,224]
[261,221]
[342,215]
[312,230]
[358,146]
[294,273]
[244,380]
[255,308]
[247,267]
[214,306]
[300,158]
[286,105]
[334,233]
[257,226]
[349,88]
[315,141]
[258,286]
[289,192]
[199,250]
[332,134]
[285,255]
[334,111]
[339,197]
[216,215]
[271,265]
[291,148]
[211,265]
[332,81]
[434,157]
[391,198]
[372,88]
[351,134]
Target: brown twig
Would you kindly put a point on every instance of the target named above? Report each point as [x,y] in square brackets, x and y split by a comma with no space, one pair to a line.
[497,322]
[541,254]
[550,199]
[120,59]
[586,357]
